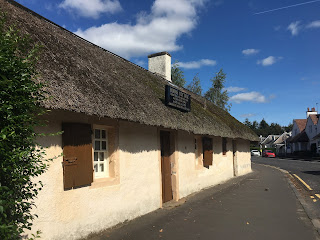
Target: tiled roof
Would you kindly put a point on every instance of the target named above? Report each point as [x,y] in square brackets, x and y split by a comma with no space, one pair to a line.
[314,119]
[301,123]
[301,137]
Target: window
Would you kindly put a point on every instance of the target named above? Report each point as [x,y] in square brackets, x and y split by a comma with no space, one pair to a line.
[207,151]
[310,129]
[224,146]
[100,154]
[89,152]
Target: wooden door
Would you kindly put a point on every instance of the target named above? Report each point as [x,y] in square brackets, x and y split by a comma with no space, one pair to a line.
[207,152]
[166,166]
[234,150]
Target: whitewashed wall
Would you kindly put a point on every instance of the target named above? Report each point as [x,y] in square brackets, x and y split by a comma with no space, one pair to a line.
[78,212]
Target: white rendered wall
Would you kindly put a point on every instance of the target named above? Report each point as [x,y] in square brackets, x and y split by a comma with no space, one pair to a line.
[243,157]
[193,178]
[161,65]
[78,212]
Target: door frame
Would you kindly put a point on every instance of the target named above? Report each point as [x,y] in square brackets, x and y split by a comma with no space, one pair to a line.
[234,157]
[174,164]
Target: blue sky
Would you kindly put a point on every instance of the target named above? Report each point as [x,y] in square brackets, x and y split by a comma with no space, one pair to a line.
[271,58]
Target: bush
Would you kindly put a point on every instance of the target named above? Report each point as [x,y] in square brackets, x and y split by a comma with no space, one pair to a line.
[21,159]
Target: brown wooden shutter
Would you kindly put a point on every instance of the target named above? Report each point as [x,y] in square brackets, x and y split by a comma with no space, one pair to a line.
[207,152]
[77,155]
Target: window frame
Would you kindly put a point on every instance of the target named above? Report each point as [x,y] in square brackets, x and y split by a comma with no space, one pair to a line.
[106,161]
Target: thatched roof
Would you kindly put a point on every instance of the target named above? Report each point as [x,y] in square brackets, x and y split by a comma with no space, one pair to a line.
[82,77]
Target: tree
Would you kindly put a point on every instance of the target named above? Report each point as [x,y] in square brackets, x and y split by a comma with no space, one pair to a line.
[255,125]
[216,94]
[21,159]
[288,128]
[195,86]
[177,75]
[275,129]
[247,123]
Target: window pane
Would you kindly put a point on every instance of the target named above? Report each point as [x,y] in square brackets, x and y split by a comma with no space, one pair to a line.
[101,156]
[104,145]
[97,145]
[96,156]
[96,133]
[101,167]
[103,134]
[96,167]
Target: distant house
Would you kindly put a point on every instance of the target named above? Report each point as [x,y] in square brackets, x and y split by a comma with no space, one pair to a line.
[304,132]
[131,140]
[299,139]
[312,130]
[268,142]
[281,144]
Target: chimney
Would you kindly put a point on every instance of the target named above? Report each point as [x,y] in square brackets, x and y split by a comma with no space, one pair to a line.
[160,63]
[312,112]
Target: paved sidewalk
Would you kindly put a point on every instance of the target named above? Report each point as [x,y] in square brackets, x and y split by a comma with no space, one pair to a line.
[258,206]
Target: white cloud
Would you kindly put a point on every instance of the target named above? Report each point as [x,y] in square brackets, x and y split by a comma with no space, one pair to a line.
[153,32]
[294,28]
[268,61]
[249,97]
[234,89]
[247,115]
[314,24]
[197,64]
[250,51]
[92,8]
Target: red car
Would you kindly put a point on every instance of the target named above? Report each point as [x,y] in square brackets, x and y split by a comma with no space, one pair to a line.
[268,153]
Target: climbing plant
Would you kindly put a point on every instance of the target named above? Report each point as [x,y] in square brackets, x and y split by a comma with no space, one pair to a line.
[21,159]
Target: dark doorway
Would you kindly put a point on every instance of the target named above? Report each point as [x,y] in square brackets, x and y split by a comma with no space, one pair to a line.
[166,166]
[234,151]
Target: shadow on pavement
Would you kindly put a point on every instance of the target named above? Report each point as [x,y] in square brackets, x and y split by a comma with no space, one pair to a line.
[312,172]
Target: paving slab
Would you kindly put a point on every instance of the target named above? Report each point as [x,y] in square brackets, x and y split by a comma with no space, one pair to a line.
[260,205]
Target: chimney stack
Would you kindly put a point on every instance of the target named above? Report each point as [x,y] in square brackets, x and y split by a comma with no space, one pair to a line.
[312,112]
[160,63]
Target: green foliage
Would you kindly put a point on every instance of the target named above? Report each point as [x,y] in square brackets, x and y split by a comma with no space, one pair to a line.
[195,85]
[264,129]
[20,157]
[216,94]
[177,75]
[288,128]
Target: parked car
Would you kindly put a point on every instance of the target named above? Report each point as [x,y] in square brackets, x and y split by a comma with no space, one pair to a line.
[255,153]
[268,153]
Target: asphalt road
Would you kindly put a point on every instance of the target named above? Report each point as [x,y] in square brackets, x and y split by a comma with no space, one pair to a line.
[308,171]
[260,205]
[306,174]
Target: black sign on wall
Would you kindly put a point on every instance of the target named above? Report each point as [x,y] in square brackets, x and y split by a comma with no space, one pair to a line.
[177,99]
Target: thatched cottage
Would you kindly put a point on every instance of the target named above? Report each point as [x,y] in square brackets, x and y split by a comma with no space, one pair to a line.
[126,151]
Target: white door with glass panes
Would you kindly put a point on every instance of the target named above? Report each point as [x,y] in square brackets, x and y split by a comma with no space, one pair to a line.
[100,160]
